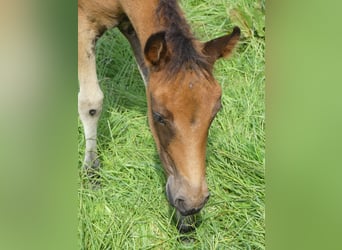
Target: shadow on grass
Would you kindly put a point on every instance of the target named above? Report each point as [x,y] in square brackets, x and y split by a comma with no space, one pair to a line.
[120,80]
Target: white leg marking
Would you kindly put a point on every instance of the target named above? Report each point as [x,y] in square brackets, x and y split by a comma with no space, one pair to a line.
[90,96]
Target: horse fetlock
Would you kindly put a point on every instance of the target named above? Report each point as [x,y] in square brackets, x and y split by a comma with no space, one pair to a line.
[91,161]
[91,167]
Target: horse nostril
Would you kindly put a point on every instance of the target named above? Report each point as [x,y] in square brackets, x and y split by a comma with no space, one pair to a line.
[179,203]
[189,209]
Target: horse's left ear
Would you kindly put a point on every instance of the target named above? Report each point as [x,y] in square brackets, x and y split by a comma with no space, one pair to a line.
[155,49]
[222,46]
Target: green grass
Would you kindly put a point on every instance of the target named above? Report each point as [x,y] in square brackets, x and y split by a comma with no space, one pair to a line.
[130,210]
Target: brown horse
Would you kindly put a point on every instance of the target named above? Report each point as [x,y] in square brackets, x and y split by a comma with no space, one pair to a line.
[183,96]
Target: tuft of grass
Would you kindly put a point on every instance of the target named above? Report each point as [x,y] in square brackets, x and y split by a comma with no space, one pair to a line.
[129,210]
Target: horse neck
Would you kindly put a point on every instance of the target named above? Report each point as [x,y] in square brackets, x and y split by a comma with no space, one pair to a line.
[151,16]
[143,16]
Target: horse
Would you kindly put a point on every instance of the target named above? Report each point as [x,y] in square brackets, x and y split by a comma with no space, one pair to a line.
[182,94]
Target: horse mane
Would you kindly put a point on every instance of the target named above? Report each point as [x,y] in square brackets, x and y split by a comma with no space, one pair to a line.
[179,37]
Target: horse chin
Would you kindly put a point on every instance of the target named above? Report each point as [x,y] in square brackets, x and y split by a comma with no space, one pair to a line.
[188,223]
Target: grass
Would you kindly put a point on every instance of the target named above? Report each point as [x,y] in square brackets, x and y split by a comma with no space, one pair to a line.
[130,210]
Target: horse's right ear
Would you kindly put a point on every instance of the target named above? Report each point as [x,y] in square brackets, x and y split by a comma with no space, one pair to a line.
[156,49]
[222,46]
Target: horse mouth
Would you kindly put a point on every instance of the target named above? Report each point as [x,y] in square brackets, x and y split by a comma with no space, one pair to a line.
[185,222]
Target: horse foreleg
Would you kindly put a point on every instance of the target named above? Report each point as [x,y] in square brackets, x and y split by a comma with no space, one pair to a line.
[90,96]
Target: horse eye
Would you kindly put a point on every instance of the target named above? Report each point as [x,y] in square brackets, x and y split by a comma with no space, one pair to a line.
[158,118]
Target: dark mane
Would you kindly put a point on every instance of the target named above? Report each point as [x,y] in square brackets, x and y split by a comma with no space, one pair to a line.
[180,39]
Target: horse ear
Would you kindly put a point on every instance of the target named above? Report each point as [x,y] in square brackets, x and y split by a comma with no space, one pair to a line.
[155,48]
[222,46]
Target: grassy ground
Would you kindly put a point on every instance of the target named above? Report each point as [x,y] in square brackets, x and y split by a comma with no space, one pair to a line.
[130,210]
